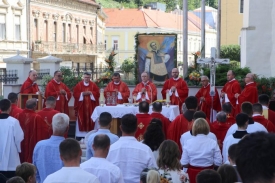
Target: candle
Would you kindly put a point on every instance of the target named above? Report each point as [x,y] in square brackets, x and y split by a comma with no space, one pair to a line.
[167,96]
[101,98]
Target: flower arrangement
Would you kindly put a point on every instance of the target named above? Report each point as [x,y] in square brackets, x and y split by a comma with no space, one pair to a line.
[194,77]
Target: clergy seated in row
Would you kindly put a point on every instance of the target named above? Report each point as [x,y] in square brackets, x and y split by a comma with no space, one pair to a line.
[183,122]
[143,119]
[157,108]
[188,135]
[27,172]
[13,97]
[128,154]
[11,135]
[97,165]
[46,152]
[253,126]
[220,127]
[118,86]
[242,123]
[268,114]
[48,112]
[34,127]
[200,152]
[227,108]
[258,116]
[105,120]
[232,159]
[70,154]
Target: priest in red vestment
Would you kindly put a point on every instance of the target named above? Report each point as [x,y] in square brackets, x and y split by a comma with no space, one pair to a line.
[157,108]
[34,128]
[143,120]
[120,87]
[177,88]
[205,100]
[145,91]
[13,97]
[48,112]
[267,113]
[229,90]
[227,108]
[183,122]
[86,95]
[60,91]
[258,117]
[249,93]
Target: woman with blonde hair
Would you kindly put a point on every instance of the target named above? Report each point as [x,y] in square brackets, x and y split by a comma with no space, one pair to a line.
[200,152]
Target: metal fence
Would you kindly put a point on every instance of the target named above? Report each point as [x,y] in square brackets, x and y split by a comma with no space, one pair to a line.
[42,72]
[8,76]
[95,72]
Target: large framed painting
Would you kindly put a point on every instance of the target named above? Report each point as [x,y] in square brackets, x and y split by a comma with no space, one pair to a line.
[156,54]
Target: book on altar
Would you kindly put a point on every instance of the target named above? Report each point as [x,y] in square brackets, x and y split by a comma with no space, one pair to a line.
[111,98]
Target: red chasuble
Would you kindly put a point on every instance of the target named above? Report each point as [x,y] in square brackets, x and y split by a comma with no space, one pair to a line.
[182,90]
[29,87]
[165,121]
[151,91]
[85,107]
[47,114]
[143,121]
[220,130]
[122,88]
[35,129]
[53,89]
[265,122]
[206,105]
[231,88]
[230,119]
[15,110]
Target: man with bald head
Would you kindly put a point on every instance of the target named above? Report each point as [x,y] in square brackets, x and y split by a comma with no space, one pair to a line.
[229,90]
[205,100]
[30,86]
[34,128]
[177,89]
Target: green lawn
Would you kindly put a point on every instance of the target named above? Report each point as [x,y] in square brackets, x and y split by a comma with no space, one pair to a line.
[114,4]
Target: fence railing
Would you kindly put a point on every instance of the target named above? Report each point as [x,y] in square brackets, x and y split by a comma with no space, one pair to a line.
[8,76]
[42,72]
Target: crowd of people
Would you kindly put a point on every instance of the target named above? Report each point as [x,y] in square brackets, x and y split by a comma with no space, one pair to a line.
[221,138]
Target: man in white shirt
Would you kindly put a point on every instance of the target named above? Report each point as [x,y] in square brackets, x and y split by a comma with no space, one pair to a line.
[128,154]
[98,165]
[70,154]
[253,126]
[11,135]
[242,122]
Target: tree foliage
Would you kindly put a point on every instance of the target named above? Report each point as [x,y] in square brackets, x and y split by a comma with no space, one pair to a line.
[233,52]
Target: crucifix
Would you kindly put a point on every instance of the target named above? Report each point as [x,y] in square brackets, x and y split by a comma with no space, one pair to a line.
[212,61]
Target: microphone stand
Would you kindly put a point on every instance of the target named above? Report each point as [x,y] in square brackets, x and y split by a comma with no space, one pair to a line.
[26,88]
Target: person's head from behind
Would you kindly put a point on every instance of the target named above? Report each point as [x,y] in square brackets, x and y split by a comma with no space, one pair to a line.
[221,117]
[226,107]
[5,105]
[154,135]
[247,108]
[60,124]
[13,97]
[27,172]
[255,158]
[16,179]
[263,99]
[31,104]
[143,107]
[208,176]
[232,154]
[152,175]
[191,103]
[157,107]
[200,126]
[70,152]
[228,173]
[169,155]
[105,120]
[199,114]
[101,145]
[257,108]
[128,125]
[50,102]
[242,120]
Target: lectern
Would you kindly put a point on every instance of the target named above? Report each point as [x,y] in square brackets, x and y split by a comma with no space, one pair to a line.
[24,97]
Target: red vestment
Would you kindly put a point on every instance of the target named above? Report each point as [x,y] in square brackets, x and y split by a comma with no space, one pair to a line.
[29,87]
[230,119]
[15,110]
[85,107]
[122,88]
[47,114]
[143,121]
[53,89]
[179,126]
[220,130]
[35,129]
[231,88]
[249,94]
[265,122]
[165,121]
[270,115]
[182,90]
[206,105]
[151,91]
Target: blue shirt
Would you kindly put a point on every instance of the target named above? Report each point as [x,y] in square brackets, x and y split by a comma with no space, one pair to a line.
[90,151]
[46,157]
